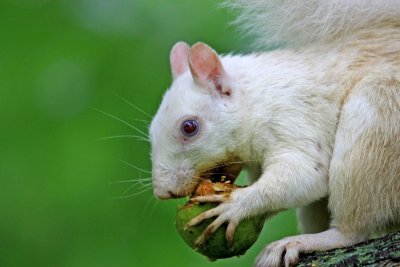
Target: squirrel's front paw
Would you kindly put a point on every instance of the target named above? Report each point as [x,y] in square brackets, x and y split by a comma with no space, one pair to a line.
[226,212]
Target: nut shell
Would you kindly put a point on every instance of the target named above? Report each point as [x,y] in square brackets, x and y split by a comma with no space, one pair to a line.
[216,246]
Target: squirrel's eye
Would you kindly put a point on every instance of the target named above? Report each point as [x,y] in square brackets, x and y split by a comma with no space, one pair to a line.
[190,128]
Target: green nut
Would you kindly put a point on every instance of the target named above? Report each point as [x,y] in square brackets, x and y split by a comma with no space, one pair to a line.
[216,246]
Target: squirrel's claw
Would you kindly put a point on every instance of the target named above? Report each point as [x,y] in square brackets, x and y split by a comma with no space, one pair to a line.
[230,233]
[222,218]
[225,212]
[211,198]
[203,216]
[209,231]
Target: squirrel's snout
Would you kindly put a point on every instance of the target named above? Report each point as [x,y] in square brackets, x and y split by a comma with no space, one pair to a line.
[173,181]
[163,194]
[166,194]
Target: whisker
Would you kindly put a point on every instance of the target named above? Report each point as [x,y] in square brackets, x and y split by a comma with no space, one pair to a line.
[120,120]
[134,185]
[144,121]
[152,208]
[133,166]
[135,107]
[138,137]
[144,139]
[145,206]
[132,181]
[132,195]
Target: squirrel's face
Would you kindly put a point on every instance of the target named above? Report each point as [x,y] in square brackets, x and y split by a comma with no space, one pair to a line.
[193,129]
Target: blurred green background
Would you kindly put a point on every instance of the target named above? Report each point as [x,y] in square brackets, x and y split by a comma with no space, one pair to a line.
[60,200]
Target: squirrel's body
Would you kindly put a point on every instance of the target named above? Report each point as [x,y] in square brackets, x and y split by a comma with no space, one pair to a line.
[310,88]
[315,122]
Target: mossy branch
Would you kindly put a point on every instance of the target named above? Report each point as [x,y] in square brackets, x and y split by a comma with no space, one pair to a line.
[384,251]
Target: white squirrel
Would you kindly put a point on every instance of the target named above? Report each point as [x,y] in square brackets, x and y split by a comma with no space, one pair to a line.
[316,123]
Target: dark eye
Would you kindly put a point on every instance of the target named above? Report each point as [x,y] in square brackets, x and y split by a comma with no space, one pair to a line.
[190,128]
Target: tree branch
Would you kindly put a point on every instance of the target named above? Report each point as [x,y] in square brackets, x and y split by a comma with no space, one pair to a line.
[384,251]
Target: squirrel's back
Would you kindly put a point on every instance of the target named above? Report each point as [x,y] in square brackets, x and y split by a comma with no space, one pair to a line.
[299,23]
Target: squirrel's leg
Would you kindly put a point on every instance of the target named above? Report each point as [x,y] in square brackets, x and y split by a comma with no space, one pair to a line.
[364,171]
[293,179]
[363,175]
[314,217]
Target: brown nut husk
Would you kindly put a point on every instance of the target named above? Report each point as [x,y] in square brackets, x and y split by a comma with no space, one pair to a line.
[216,246]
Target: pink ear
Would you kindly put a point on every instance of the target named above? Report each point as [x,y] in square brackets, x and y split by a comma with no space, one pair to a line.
[179,59]
[206,68]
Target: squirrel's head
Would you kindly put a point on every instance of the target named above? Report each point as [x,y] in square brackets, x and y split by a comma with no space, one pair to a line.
[194,128]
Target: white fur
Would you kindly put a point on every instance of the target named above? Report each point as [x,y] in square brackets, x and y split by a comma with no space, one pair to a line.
[310,123]
[175,161]
[298,23]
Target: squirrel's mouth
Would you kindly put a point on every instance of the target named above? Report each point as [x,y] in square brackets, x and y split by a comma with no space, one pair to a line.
[225,172]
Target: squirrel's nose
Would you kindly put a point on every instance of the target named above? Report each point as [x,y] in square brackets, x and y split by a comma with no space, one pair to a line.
[163,194]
